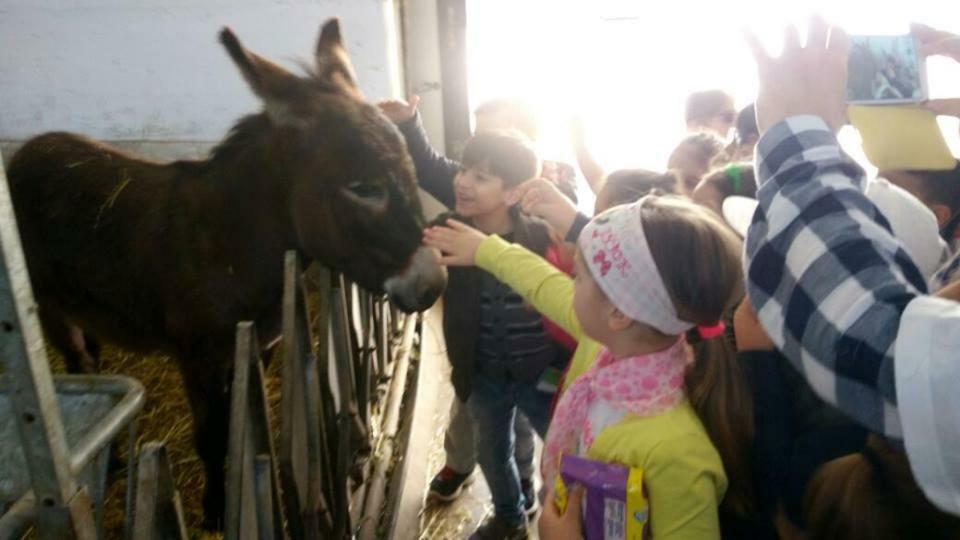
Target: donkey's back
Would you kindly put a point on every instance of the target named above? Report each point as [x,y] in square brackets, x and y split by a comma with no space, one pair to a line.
[98,234]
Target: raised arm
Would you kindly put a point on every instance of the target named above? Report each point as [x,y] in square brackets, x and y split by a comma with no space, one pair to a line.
[827,278]
[434,171]
[825,274]
[589,166]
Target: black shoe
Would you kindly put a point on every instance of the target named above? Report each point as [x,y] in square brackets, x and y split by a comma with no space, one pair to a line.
[498,529]
[448,484]
[531,503]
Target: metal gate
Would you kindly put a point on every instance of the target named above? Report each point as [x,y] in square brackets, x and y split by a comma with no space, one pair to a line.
[345,362]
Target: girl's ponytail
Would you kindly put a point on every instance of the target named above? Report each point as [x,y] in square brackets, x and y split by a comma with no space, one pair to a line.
[717,389]
[704,289]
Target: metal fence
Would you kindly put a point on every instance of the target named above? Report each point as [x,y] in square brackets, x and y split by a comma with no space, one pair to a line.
[345,360]
[57,430]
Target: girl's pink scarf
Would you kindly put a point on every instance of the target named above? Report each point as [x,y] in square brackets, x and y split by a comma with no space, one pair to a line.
[643,385]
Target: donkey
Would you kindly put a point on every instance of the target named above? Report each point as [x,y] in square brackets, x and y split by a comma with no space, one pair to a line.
[170,257]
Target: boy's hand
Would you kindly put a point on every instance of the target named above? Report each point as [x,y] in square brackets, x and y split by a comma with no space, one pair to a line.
[749,334]
[541,197]
[803,80]
[936,42]
[458,242]
[566,526]
[399,111]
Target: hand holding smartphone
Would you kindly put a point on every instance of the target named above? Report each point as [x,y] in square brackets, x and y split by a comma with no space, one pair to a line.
[886,87]
[885,70]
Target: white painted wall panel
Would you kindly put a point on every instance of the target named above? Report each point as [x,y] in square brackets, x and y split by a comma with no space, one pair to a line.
[153,70]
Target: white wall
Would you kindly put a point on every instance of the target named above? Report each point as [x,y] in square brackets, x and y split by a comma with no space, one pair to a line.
[421,66]
[152,72]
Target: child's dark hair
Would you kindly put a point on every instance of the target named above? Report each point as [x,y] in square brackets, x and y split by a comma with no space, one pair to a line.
[707,103]
[629,185]
[746,125]
[694,156]
[943,187]
[506,154]
[872,495]
[716,186]
[703,292]
[704,146]
[735,179]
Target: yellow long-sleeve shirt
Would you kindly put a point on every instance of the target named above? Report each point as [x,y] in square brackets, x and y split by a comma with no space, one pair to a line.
[682,470]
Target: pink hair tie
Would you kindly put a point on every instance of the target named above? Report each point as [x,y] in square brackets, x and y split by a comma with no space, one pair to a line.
[710,332]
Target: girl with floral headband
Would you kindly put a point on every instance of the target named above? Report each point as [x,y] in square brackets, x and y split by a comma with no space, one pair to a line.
[647,275]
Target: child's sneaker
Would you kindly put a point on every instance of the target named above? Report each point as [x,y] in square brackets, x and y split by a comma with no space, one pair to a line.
[531,503]
[495,528]
[448,484]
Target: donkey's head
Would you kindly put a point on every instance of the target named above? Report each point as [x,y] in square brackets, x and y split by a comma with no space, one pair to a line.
[352,193]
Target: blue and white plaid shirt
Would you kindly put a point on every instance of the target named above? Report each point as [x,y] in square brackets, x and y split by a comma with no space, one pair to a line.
[825,274]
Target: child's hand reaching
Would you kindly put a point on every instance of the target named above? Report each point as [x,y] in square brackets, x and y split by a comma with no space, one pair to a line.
[458,242]
[936,42]
[809,79]
[566,526]
[945,106]
[399,111]
[540,197]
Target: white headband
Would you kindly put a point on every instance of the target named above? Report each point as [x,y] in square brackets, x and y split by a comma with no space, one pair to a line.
[615,250]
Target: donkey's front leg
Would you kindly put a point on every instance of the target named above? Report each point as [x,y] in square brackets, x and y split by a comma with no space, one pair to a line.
[205,378]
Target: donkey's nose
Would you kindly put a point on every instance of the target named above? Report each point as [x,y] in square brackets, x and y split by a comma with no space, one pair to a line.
[428,290]
[419,286]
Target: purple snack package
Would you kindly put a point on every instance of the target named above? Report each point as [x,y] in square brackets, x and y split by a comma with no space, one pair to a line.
[615,506]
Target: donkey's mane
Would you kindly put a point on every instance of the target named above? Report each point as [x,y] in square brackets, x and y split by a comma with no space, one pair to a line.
[242,136]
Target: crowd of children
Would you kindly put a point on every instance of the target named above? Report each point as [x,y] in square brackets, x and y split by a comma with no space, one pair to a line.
[793,379]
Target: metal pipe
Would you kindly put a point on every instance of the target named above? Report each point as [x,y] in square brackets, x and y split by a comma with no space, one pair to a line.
[132,463]
[84,384]
[22,513]
[15,522]
[108,427]
[391,422]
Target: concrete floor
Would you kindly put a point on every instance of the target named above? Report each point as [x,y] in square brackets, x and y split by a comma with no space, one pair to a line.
[456,520]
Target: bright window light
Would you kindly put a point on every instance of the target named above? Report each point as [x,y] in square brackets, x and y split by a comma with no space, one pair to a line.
[626,67]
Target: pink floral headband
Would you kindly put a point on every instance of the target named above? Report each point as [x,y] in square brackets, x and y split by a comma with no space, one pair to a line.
[615,250]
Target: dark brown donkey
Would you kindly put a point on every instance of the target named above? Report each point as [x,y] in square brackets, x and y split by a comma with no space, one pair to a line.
[171,256]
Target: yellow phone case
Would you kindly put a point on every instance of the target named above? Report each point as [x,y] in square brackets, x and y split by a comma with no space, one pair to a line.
[902,137]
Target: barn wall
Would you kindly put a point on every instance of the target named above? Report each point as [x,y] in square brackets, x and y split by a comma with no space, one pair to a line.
[151,75]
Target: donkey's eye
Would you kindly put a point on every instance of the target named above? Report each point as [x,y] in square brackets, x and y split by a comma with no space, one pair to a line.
[367,191]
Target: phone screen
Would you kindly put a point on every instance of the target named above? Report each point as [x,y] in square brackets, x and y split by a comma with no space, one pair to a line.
[885,70]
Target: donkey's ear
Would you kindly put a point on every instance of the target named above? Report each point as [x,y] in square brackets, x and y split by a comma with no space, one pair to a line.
[277,87]
[333,65]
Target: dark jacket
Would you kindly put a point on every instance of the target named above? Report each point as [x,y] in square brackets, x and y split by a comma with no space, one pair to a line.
[461,300]
[795,432]
[434,171]
[461,305]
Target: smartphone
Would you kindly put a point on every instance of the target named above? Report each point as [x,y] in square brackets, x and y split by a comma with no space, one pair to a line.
[885,70]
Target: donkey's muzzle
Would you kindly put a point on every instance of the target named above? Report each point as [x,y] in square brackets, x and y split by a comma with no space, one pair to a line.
[420,284]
